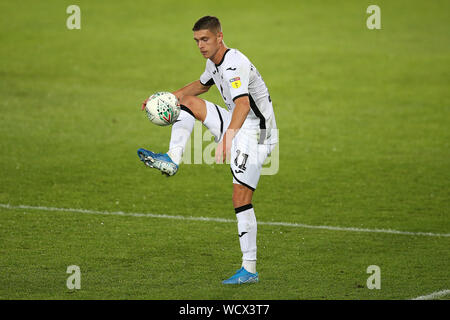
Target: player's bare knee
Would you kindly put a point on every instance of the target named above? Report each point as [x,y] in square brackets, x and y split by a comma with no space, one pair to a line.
[187,101]
[196,105]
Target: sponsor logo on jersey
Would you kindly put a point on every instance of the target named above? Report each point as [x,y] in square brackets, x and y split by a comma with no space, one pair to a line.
[235,82]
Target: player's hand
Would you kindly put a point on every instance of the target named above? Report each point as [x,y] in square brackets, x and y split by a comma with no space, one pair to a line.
[220,152]
[223,150]
[144,104]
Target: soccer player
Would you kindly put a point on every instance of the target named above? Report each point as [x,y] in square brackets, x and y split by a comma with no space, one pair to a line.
[245,131]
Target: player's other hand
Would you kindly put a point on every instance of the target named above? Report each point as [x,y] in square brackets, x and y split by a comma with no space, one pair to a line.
[223,149]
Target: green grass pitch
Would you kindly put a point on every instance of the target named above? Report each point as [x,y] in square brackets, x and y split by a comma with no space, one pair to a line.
[363,118]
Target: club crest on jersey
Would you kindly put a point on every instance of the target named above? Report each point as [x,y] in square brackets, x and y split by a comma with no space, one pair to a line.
[235,82]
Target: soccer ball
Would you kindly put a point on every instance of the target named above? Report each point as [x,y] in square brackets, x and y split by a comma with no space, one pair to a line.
[162,108]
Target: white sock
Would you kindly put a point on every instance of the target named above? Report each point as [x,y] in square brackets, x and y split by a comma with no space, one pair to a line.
[247,229]
[181,131]
[249,265]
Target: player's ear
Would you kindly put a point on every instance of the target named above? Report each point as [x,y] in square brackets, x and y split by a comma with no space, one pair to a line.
[219,36]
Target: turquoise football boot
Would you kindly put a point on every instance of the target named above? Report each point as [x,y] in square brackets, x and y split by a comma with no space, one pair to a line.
[242,276]
[160,161]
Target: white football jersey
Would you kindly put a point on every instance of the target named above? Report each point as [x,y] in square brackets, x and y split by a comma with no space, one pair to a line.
[235,76]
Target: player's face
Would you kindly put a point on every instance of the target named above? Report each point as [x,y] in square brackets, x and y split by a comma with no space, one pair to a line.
[208,42]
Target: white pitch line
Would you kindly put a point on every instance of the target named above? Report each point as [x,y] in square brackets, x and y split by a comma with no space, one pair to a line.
[433,295]
[269,223]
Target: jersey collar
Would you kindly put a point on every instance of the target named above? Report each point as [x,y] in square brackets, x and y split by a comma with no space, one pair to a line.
[223,58]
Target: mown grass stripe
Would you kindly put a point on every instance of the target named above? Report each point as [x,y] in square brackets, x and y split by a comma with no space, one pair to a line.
[190,218]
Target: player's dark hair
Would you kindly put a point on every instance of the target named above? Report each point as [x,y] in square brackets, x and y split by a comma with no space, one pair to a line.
[208,22]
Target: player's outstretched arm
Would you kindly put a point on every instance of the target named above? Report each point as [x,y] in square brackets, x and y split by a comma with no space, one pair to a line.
[192,89]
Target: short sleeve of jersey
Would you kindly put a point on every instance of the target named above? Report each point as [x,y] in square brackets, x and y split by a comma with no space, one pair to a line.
[237,78]
[206,77]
